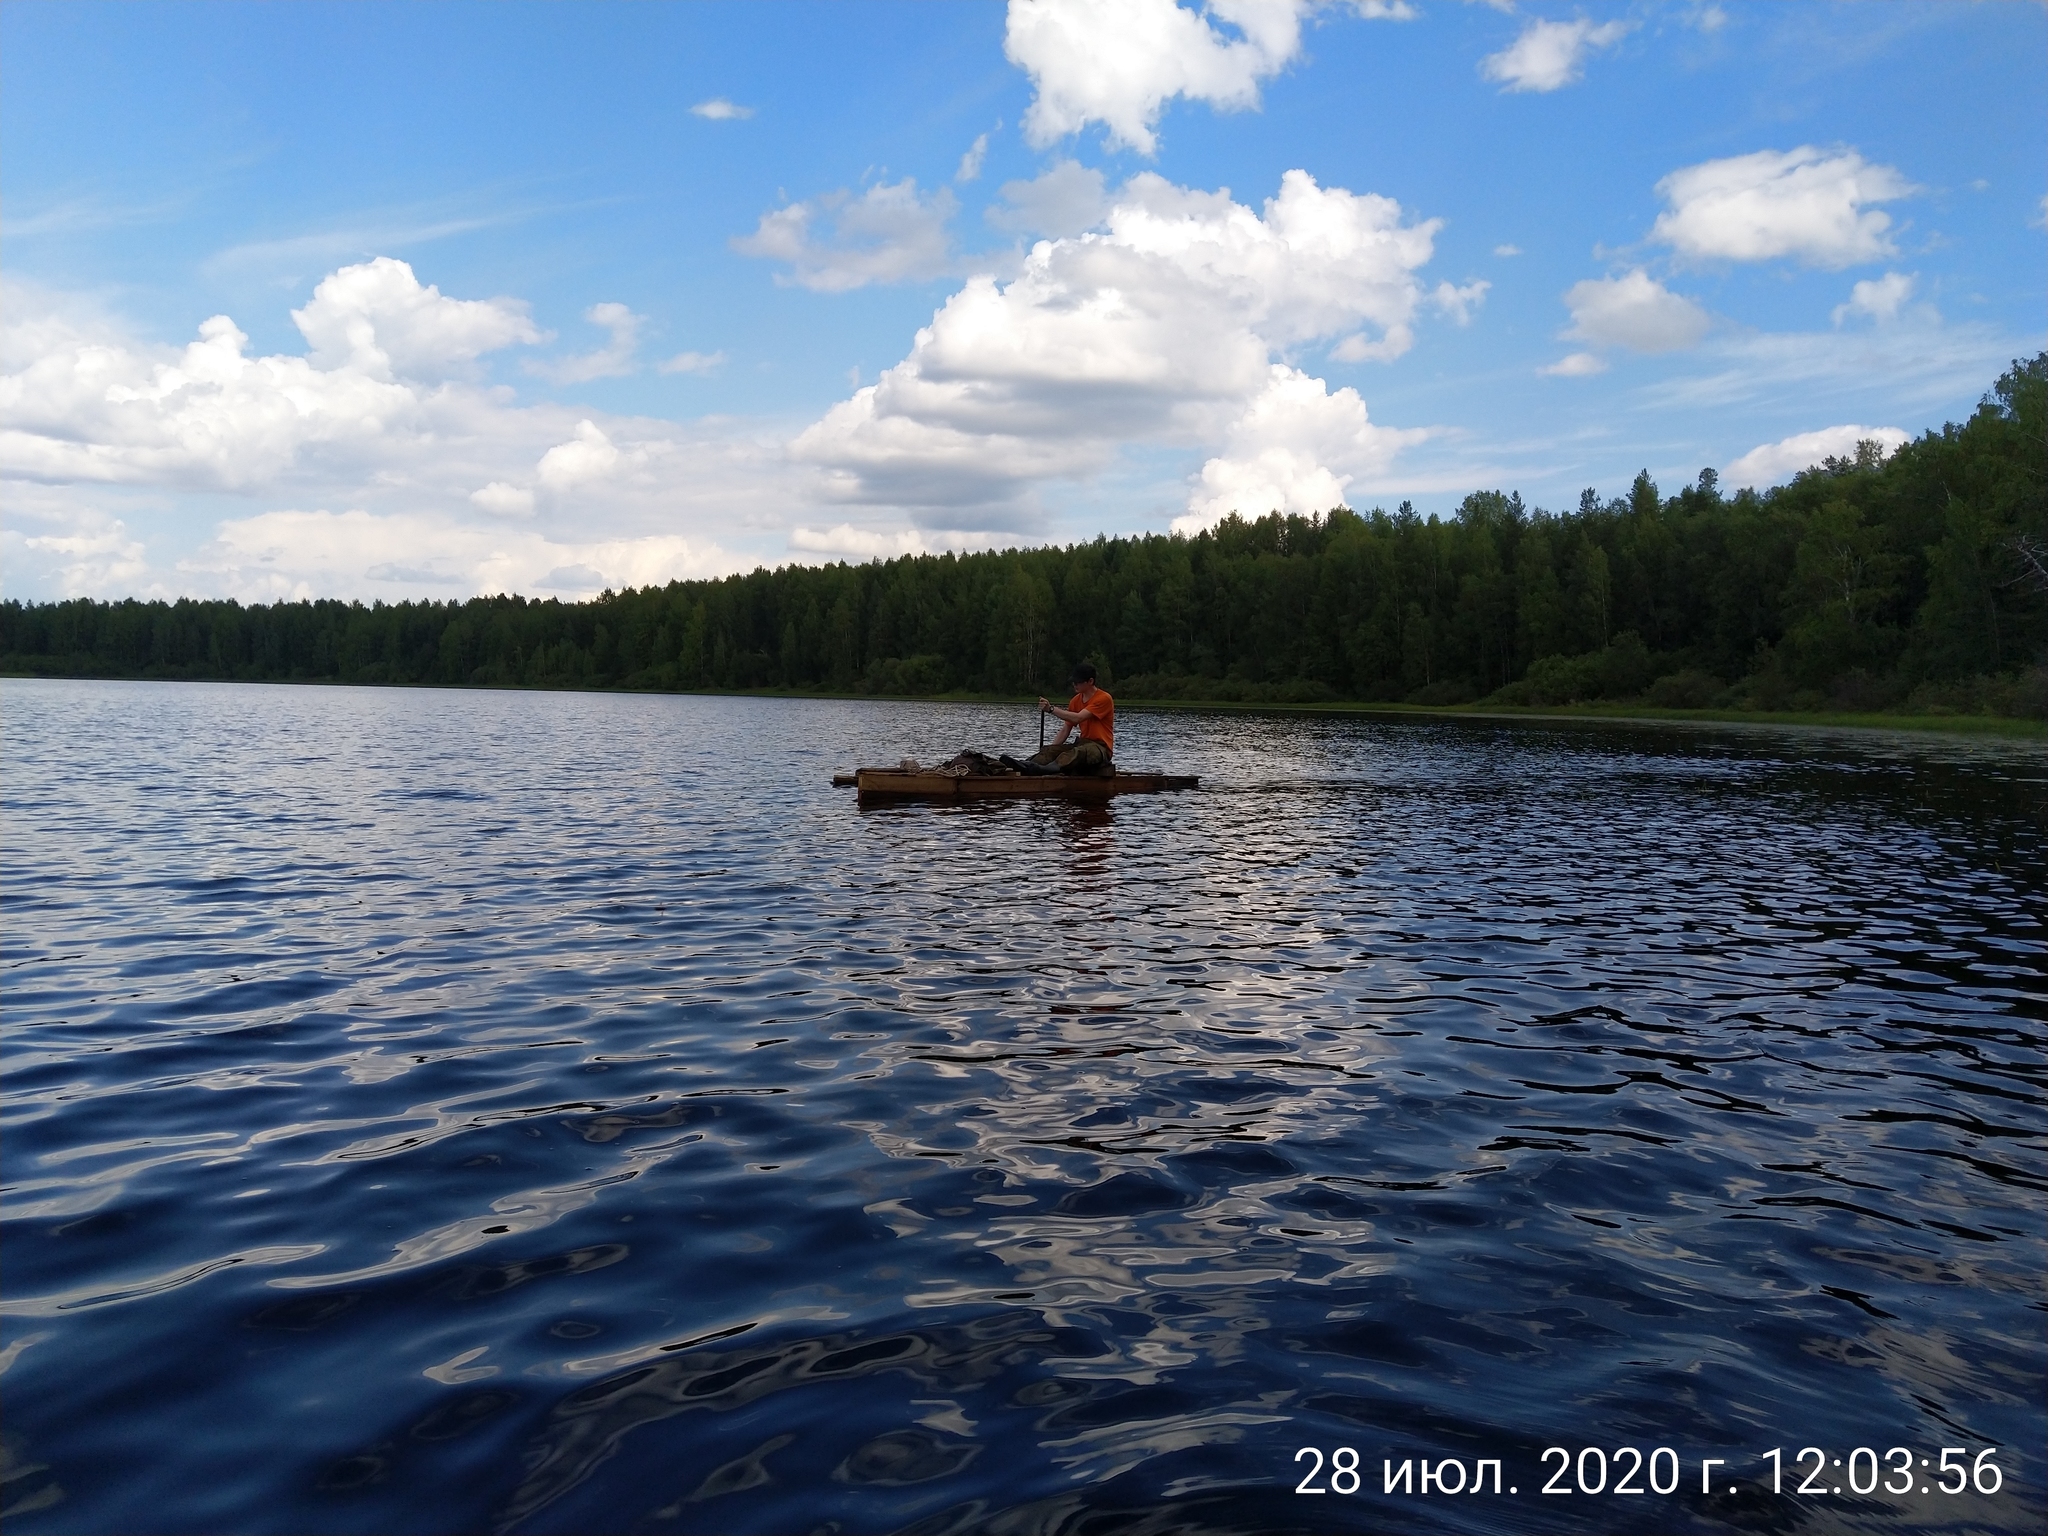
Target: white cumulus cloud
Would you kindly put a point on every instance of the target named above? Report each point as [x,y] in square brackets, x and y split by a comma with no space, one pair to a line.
[859,543]
[614,360]
[90,408]
[589,455]
[1160,328]
[111,446]
[299,554]
[1634,311]
[1877,298]
[1773,462]
[206,415]
[838,242]
[1119,64]
[1804,203]
[377,320]
[1294,449]
[692,362]
[719,110]
[1576,365]
[1549,55]
[97,557]
[502,500]
[1065,200]
[1459,303]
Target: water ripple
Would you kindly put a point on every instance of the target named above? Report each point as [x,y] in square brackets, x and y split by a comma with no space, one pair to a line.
[525,1112]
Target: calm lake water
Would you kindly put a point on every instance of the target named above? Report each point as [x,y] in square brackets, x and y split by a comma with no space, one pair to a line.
[520,1112]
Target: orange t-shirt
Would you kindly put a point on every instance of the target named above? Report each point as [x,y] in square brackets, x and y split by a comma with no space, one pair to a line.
[1101,722]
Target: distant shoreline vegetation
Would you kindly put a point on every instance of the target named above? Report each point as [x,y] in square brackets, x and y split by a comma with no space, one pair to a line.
[1915,584]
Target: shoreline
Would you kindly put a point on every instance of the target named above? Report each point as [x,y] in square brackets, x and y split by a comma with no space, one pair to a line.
[2004,727]
[2007,726]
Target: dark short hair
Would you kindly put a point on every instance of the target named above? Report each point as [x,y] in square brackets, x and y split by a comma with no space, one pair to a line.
[1083,673]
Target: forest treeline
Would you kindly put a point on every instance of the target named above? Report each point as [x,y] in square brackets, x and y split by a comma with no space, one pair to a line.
[1869,582]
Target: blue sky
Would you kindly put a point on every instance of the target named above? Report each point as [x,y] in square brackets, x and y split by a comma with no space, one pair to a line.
[406,301]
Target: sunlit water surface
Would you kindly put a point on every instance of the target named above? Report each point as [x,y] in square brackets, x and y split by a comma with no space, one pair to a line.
[449,1111]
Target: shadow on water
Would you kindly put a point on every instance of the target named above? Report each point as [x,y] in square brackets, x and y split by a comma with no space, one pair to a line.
[501,1112]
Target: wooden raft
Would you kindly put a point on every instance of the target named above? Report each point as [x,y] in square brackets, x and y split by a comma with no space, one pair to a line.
[895,784]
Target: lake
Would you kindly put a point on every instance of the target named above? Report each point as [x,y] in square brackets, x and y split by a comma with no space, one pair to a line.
[534,1112]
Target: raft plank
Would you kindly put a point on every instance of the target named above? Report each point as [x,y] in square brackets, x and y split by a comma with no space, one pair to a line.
[895,784]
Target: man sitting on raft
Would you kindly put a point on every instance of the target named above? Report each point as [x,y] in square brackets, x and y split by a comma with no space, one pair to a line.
[1090,709]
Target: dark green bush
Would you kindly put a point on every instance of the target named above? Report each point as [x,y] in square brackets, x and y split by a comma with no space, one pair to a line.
[1689,689]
